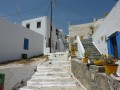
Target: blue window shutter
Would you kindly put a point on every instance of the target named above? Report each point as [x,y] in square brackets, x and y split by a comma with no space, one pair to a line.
[26,44]
[118,43]
[110,47]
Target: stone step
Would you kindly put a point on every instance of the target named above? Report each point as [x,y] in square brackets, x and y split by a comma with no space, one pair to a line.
[52,80]
[91,49]
[53,88]
[55,62]
[53,69]
[52,84]
[62,59]
[50,74]
[51,77]
[53,72]
[53,66]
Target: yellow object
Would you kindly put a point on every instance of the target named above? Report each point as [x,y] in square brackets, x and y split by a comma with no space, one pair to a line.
[85,60]
[99,62]
[109,69]
[73,49]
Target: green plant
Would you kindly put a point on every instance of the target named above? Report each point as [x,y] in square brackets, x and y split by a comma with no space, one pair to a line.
[86,54]
[92,29]
[108,59]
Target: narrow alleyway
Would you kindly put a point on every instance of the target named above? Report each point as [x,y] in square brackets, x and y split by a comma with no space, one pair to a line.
[53,74]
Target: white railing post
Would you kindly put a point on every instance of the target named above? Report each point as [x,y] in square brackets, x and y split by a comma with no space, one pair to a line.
[81,49]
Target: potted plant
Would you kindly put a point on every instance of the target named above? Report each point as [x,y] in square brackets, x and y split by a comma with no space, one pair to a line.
[73,50]
[109,63]
[85,58]
[98,62]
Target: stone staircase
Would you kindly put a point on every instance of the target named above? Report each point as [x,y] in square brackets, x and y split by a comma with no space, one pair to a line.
[91,49]
[53,74]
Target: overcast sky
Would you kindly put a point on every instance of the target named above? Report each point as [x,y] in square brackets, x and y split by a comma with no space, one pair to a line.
[75,11]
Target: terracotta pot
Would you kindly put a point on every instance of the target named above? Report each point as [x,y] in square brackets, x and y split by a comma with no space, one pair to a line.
[85,60]
[109,69]
[99,62]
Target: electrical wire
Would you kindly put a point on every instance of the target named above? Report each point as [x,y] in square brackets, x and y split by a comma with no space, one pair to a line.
[26,11]
[48,10]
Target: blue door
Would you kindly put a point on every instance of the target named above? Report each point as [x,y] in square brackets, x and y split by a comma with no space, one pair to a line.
[114,45]
[118,43]
[110,47]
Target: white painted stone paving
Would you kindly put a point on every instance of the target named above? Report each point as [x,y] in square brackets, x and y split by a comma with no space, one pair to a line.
[53,74]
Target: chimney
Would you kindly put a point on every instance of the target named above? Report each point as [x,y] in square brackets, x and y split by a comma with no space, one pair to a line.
[94,20]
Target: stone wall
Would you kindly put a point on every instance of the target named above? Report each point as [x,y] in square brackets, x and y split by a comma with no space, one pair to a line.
[92,78]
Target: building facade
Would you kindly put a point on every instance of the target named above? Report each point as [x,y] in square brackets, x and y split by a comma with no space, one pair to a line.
[17,40]
[106,38]
[84,31]
[42,25]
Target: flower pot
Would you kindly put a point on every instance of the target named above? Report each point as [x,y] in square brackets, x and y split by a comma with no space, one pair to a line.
[99,62]
[85,60]
[73,50]
[109,69]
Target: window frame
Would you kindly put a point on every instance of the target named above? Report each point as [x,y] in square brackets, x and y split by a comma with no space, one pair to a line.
[26,44]
[28,26]
[39,24]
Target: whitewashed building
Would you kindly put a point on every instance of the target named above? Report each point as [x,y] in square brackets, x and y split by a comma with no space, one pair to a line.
[42,25]
[30,39]
[106,38]
[16,41]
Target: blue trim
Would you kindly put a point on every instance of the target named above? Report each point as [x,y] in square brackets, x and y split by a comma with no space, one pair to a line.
[110,47]
[26,44]
[118,43]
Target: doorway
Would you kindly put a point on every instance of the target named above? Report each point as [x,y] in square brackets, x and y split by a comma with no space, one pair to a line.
[114,45]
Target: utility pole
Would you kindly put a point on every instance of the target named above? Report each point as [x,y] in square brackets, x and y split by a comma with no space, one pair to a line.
[51,26]
[51,4]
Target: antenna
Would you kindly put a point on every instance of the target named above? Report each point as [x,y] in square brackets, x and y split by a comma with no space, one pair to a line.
[18,11]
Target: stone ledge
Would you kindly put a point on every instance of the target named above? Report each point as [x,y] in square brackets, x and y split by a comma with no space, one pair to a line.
[92,78]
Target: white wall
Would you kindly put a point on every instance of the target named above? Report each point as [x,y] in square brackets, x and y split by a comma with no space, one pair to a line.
[12,41]
[110,25]
[42,30]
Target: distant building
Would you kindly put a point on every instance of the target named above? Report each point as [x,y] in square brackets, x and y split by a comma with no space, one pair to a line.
[84,31]
[42,25]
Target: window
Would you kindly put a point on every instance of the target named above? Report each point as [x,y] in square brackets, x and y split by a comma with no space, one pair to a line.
[38,24]
[28,26]
[26,44]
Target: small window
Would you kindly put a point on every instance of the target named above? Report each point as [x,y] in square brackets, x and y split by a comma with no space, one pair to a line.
[26,44]
[28,26]
[38,24]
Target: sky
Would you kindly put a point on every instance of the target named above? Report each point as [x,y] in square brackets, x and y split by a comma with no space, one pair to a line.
[64,11]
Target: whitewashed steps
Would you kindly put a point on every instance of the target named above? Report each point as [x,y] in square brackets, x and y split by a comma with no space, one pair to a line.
[51,84]
[52,80]
[53,75]
[53,88]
